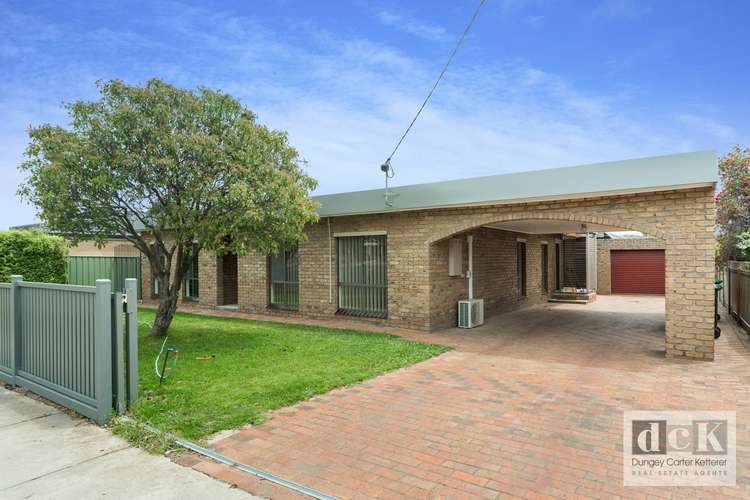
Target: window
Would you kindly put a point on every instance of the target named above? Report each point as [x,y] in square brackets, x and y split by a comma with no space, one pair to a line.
[155,282]
[455,257]
[362,275]
[284,283]
[521,268]
[545,269]
[191,278]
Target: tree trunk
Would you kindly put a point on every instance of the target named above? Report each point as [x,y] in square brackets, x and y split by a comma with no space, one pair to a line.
[165,314]
[169,287]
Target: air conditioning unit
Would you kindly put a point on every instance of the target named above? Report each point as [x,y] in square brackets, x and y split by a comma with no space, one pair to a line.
[470,313]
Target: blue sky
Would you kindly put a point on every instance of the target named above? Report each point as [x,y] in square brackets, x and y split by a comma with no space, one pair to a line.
[537,84]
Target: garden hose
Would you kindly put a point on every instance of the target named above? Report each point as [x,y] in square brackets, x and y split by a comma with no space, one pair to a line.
[175,354]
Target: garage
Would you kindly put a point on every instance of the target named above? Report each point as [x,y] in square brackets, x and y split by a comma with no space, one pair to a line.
[638,271]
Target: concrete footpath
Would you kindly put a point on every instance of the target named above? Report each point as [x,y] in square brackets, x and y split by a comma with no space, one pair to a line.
[44,453]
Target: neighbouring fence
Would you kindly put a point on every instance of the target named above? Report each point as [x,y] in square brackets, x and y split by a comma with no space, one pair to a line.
[86,270]
[66,343]
[735,295]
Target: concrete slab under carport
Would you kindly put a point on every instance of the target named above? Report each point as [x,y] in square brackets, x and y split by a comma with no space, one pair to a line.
[45,453]
[615,330]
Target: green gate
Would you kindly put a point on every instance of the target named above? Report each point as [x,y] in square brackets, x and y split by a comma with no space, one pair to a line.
[86,270]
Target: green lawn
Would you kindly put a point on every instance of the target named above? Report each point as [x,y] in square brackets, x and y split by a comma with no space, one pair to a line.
[258,366]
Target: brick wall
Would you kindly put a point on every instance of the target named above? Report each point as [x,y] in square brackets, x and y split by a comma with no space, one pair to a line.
[111,248]
[253,281]
[209,275]
[604,263]
[420,294]
[495,274]
[146,283]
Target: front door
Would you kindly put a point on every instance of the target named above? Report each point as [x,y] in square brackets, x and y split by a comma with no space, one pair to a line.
[229,279]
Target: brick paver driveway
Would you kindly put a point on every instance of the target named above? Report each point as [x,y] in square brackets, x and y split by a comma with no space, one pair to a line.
[529,405]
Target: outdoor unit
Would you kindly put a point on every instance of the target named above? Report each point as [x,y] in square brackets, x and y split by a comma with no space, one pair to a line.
[470,313]
[471,310]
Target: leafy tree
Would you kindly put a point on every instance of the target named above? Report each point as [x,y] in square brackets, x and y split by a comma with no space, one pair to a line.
[174,171]
[733,205]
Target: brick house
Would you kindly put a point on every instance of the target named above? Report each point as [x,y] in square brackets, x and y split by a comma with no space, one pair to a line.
[390,263]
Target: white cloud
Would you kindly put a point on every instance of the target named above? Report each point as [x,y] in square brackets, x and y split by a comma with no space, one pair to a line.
[709,126]
[621,9]
[421,29]
[345,101]
[536,21]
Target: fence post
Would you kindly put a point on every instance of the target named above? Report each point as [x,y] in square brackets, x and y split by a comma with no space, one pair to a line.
[118,359]
[15,325]
[103,350]
[131,337]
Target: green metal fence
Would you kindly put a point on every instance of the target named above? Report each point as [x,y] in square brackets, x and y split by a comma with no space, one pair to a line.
[66,343]
[86,270]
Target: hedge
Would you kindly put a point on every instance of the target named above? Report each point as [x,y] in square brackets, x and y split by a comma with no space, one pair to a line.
[34,255]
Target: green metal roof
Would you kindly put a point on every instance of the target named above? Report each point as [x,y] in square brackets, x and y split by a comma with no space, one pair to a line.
[616,177]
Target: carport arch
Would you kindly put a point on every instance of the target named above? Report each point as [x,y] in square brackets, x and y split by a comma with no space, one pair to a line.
[475,221]
[479,220]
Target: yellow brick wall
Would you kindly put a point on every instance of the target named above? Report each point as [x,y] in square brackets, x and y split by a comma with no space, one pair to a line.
[418,296]
[495,274]
[111,248]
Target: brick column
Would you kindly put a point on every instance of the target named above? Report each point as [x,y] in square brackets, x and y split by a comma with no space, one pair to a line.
[146,284]
[689,290]
[252,287]
[209,278]
[317,272]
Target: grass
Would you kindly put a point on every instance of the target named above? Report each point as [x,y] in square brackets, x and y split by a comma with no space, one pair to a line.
[138,435]
[231,372]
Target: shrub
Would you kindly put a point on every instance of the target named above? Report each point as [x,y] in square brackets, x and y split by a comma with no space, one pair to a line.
[35,255]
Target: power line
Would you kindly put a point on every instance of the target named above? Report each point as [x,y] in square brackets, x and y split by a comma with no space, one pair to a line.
[387,165]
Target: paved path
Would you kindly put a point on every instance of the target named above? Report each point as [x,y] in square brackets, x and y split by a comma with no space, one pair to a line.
[45,453]
[530,405]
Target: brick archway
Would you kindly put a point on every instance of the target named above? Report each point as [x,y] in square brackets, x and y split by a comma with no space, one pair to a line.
[683,220]
[479,220]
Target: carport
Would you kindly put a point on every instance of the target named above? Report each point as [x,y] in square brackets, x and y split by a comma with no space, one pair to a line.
[517,242]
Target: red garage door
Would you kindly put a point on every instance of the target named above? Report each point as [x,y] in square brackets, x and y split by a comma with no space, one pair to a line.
[637,271]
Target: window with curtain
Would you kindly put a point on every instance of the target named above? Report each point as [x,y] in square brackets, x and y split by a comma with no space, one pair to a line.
[362,275]
[191,278]
[284,282]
